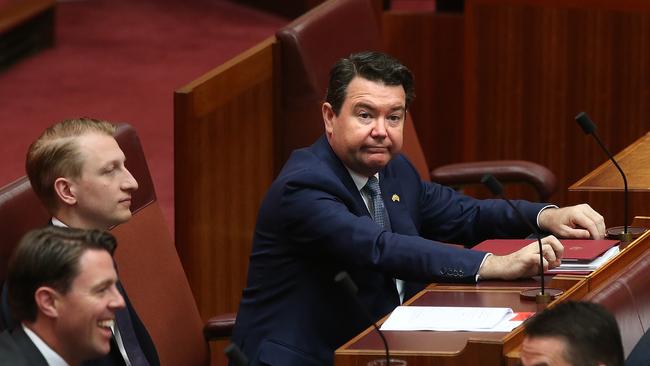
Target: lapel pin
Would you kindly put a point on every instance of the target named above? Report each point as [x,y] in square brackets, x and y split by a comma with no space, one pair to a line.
[395,198]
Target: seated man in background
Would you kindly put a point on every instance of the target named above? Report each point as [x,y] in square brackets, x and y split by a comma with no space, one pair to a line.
[76,168]
[352,202]
[572,333]
[62,290]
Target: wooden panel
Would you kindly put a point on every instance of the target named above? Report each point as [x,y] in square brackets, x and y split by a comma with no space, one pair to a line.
[223,158]
[431,46]
[635,163]
[15,12]
[531,66]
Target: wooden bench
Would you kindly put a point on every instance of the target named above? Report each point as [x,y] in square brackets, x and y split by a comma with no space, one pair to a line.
[26,27]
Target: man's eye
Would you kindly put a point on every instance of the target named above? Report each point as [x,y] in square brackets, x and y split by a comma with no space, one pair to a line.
[395,119]
[364,115]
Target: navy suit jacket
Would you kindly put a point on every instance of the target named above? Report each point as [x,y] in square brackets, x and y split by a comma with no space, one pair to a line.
[313,223]
[17,349]
[640,355]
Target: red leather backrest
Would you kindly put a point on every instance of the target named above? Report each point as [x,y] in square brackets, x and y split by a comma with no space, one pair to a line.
[20,211]
[309,46]
[626,296]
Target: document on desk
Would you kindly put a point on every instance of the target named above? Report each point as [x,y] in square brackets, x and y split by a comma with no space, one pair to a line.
[444,318]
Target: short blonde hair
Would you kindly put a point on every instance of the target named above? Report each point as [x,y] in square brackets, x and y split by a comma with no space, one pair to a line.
[55,154]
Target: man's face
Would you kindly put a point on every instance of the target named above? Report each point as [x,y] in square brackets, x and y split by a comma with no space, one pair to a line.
[367,133]
[87,310]
[103,190]
[543,351]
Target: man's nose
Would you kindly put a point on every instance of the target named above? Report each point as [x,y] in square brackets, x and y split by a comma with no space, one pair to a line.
[117,301]
[379,130]
[129,184]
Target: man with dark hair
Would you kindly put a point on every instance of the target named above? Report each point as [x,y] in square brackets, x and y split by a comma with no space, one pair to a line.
[572,334]
[78,171]
[62,289]
[352,202]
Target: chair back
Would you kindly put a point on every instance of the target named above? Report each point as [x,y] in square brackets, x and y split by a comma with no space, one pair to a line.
[148,264]
[309,46]
[626,297]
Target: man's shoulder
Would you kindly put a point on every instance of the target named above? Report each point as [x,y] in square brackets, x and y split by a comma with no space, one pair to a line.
[17,349]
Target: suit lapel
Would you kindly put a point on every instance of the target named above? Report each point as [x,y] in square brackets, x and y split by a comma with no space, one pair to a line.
[27,347]
[323,150]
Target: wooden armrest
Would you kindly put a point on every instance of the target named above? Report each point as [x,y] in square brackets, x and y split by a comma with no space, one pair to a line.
[219,327]
[506,171]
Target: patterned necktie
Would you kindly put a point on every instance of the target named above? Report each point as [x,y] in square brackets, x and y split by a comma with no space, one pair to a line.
[377,209]
[380,216]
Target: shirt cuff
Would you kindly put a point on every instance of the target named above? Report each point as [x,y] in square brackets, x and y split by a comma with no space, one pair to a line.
[478,277]
[540,212]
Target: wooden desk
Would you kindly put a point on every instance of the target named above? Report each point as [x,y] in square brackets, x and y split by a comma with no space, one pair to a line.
[441,348]
[478,348]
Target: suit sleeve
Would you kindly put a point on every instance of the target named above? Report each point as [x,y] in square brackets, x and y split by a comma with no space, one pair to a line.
[320,223]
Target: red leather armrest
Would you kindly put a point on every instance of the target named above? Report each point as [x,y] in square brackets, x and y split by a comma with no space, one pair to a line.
[219,327]
[506,171]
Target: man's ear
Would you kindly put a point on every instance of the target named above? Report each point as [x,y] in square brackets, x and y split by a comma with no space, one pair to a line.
[47,301]
[328,117]
[64,188]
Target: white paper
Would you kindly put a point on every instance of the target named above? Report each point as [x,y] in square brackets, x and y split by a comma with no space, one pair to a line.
[444,318]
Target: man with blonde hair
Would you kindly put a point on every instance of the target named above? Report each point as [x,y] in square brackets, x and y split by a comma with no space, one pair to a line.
[78,171]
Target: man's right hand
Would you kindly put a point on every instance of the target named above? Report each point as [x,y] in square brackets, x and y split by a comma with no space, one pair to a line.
[524,262]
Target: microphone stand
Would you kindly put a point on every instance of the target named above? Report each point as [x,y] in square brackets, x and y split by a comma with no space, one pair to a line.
[343,280]
[589,127]
[542,296]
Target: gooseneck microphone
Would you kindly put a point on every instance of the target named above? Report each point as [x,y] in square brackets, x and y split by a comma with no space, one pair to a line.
[235,355]
[343,280]
[589,127]
[542,295]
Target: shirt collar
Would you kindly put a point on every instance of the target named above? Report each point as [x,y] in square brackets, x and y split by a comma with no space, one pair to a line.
[58,223]
[52,358]
[359,180]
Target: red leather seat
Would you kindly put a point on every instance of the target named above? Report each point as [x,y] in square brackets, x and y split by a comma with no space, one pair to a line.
[311,44]
[626,296]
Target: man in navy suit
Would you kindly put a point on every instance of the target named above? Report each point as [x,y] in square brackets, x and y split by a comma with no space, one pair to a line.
[78,171]
[62,289]
[352,202]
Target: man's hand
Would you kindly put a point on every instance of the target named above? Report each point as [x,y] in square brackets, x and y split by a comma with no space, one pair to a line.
[580,222]
[524,262]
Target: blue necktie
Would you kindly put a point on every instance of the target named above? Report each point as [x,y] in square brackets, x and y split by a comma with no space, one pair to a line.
[377,209]
[380,216]
[130,345]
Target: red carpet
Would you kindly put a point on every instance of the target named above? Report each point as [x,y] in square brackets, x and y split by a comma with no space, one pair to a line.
[121,60]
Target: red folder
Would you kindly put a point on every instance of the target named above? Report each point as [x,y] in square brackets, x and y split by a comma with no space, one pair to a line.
[575,250]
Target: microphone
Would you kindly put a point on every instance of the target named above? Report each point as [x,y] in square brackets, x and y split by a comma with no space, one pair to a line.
[235,355]
[542,295]
[344,281]
[589,128]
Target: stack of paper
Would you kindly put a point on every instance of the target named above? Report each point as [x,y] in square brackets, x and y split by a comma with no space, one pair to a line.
[586,267]
[443,318]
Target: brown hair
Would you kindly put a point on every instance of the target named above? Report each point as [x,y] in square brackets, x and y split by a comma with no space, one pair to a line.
[49,257]
[55,154]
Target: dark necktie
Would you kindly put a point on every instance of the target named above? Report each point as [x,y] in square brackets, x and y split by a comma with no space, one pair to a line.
[380,216]
[377,208]
[128,339]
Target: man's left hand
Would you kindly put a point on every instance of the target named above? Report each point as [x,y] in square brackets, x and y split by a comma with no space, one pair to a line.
[580,221]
